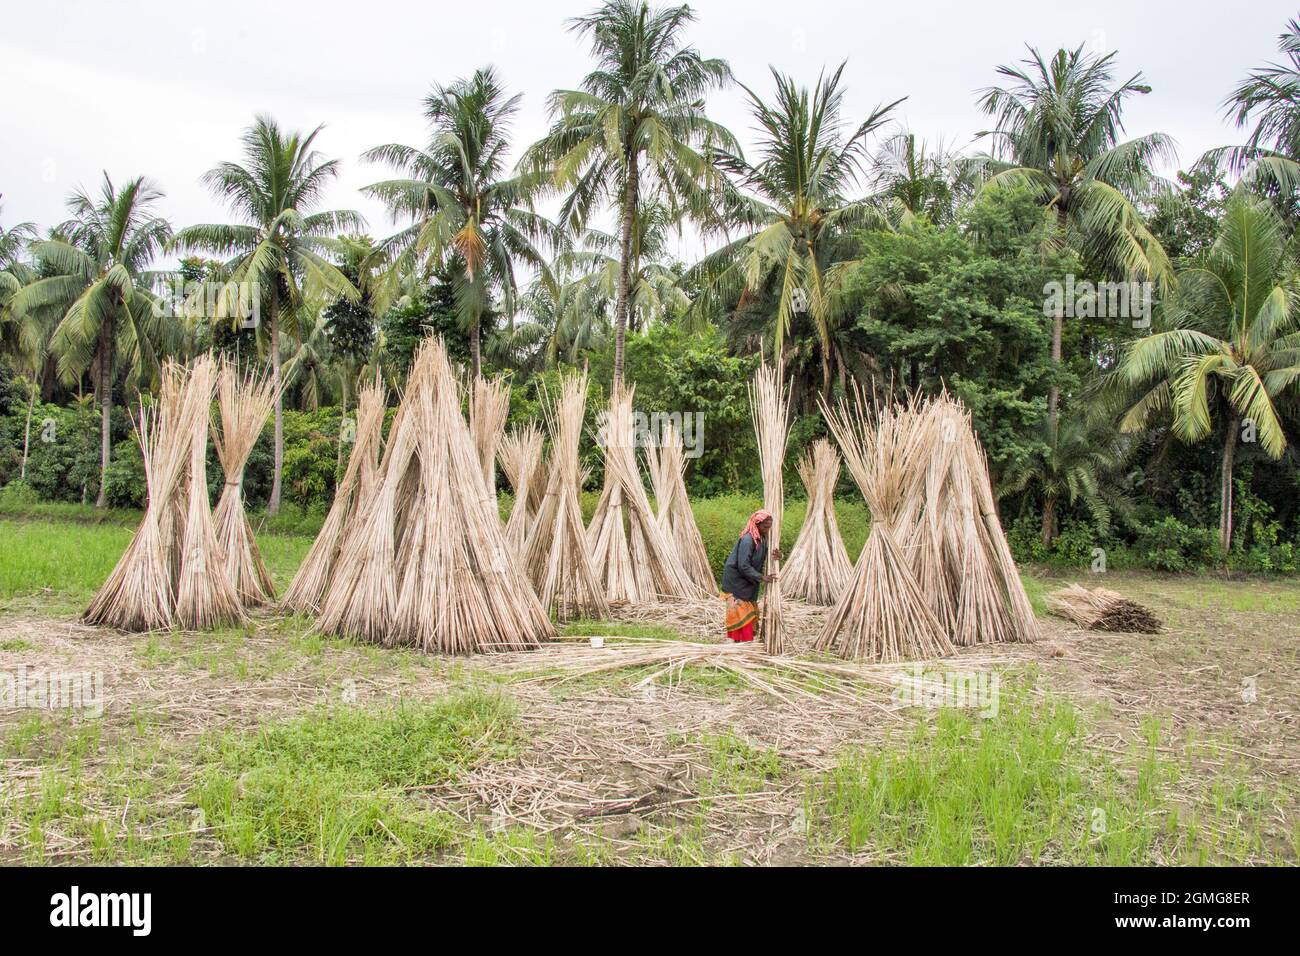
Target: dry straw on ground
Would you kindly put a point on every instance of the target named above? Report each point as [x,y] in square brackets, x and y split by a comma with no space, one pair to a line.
[245,402]
[355,488]
[1100,609]
[818,568]
[520,453]
[427,564]
[666,463]
[769,403]
[556,557]
[634,559]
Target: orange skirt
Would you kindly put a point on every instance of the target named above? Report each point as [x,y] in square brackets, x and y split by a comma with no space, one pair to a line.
[740,618]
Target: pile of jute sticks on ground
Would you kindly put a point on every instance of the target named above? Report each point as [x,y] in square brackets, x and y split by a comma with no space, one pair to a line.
[1099,609]
[185,568]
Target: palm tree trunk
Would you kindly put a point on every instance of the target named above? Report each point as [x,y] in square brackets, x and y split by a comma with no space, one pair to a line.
[27,432]
[105,363]
[621,307]
[1225,484]
[1049,520]
[273,505]
[1058,323]
[475,346]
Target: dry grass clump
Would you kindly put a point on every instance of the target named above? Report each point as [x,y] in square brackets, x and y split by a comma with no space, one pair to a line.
[1100,609]
[355,488]
[426,563]
[245,402]
[818,568]
[666,463]
[634,559]
[556,556]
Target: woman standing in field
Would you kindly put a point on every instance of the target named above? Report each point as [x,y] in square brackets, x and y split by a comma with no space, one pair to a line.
[743,573]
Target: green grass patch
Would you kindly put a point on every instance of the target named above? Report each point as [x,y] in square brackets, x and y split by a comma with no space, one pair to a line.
[342,785]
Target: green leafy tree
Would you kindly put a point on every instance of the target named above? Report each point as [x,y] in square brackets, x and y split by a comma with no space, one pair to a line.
[100,289]
[1230,348]
[635,127]
[281,245]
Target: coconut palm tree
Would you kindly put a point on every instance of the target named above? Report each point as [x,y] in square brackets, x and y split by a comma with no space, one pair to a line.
[466,215]
[794,208]
[1230,348]
[1270,97]
[917,180]
[1075,462]
[635,127]
[1059,124]
[100,291]
[15,272]
[277,252]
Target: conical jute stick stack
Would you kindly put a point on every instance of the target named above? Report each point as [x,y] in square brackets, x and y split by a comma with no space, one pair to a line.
[427,563]
[666,463]
[489,406]
[354,489]
[245,402]
[140,592]
[769,403]
[633,557]
[883,615]
[818,568]
[556,554]
[205,592]
[520,453]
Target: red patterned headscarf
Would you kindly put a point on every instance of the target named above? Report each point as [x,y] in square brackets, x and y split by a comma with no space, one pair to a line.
[757,518]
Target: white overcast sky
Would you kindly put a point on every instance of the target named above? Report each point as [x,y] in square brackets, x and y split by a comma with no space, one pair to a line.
[164,89]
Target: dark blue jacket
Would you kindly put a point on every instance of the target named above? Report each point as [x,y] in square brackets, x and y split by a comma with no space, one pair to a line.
[743,572]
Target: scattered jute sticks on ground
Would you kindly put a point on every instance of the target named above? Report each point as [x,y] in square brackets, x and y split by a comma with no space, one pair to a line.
[1100,609]
[769,403]
[818,568]
[245,402]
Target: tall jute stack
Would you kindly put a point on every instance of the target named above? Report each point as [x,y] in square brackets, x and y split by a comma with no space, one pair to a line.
[633,558]
[489,406]
[354,489]
[140,592]
[883,614]
[520,453]
[205,592]
[245,402]
[428,564]
[556,555]
[666,463]
[769,403]
[818,568]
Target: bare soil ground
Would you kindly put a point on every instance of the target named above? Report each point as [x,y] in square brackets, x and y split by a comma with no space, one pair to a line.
[615,769]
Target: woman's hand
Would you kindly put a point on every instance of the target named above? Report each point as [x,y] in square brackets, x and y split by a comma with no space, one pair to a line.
[777,555]
[769,578]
